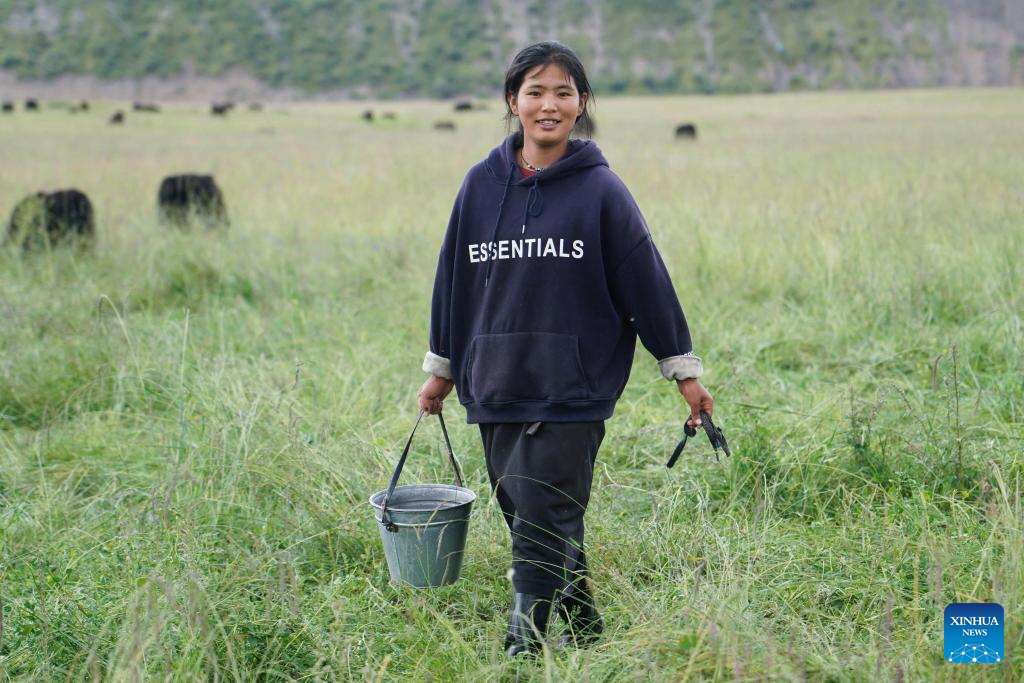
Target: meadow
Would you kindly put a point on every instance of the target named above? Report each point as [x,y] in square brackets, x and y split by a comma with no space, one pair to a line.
[191,424]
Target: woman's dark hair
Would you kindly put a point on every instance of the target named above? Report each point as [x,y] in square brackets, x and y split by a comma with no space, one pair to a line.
[540,55]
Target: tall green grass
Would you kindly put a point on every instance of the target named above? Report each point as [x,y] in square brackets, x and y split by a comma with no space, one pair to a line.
[191,424]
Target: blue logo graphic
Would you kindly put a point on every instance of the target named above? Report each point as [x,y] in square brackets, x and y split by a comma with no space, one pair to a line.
[973,632]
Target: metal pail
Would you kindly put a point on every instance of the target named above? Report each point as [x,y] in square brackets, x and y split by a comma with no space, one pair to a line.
[424,526]
[431,522]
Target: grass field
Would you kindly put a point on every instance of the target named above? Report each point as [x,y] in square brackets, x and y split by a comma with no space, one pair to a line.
[191,424]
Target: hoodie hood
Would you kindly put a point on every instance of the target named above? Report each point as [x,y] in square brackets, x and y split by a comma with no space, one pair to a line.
[501,165]
[580,154]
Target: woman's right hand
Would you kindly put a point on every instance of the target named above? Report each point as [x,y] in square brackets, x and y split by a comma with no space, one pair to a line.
[432,394]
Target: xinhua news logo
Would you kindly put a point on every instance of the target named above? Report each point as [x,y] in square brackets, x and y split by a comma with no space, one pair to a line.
[973,633]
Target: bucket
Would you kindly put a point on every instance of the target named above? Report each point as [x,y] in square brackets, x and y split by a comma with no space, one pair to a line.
[424,526]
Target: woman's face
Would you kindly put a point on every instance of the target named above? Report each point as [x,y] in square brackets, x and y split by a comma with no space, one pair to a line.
[547,105]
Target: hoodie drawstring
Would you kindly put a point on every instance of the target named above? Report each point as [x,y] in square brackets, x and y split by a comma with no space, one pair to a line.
[534,207]
[534,203]
[497,220]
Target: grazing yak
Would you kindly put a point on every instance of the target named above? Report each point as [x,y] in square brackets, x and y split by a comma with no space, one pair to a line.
[221,108]
[686,131]
[117,118]
[368,115]
[50,219]
[444,125]
[31,105]
[464,105]
[8,107]
[186,198]
[146,107]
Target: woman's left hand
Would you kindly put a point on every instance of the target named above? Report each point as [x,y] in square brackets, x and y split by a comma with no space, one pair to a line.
[698,398]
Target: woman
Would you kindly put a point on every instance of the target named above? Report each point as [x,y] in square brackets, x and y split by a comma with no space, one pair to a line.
[546,276]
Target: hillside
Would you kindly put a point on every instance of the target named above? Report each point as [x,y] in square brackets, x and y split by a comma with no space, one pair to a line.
[446,47]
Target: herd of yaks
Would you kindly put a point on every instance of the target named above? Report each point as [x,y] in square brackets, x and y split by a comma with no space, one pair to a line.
[216,109]
[46,220]
[686,131]
[49,219]
[32,104]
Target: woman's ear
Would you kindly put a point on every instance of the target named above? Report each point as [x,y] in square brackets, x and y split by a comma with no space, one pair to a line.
[511,97]
[583,105]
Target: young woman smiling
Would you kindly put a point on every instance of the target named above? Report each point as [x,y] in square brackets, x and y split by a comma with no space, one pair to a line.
[547,106]
[546,276]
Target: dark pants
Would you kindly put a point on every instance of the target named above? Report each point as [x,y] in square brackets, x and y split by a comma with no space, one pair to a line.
[542,482]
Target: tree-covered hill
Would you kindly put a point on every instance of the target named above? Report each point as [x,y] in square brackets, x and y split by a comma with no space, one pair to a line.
[445,47]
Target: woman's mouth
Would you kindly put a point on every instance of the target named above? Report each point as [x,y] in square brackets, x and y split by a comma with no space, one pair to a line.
[548,124]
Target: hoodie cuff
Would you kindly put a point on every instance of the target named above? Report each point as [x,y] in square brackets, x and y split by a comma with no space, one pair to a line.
[436,365]
[686,366]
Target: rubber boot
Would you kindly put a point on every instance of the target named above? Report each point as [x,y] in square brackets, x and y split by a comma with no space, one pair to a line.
[527,624]
[582,620]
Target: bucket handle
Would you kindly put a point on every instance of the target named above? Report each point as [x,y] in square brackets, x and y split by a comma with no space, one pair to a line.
[385,518]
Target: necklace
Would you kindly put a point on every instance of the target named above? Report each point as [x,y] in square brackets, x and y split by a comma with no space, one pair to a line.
[529,165]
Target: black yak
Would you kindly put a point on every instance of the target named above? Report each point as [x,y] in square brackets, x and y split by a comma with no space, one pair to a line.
[117,118]
[686,131]
[31,105]
[444,125]
[463,105]
[221,108]
[146,107]
[8,107]
[49,219]
[368,115]
[184,198]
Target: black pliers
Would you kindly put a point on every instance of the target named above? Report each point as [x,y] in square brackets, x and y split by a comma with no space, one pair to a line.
[715,436]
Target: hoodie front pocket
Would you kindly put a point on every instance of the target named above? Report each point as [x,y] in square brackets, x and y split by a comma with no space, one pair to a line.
[526,366]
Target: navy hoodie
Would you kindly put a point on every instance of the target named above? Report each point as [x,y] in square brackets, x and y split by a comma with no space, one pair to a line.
[543,284]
